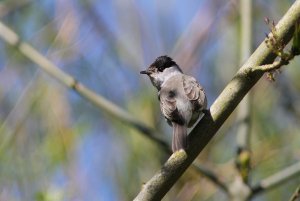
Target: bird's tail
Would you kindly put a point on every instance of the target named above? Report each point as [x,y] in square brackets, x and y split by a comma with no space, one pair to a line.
[179,140]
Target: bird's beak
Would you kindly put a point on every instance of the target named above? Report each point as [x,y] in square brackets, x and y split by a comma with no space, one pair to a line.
[145,72]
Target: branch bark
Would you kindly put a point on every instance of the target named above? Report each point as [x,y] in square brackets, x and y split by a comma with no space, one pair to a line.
[237,88]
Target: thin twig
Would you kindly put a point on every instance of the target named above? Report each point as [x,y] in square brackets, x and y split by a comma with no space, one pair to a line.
[285,58]
[271,67]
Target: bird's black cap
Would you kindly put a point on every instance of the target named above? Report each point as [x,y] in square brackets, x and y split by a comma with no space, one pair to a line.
[163,62]
[160,64]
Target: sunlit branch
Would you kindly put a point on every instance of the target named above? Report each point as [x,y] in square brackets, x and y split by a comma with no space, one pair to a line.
[234,92]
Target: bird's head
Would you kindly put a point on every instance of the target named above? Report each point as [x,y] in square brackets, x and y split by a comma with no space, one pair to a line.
[161,69]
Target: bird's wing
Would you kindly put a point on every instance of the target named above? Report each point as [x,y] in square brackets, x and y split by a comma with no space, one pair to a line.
[167,105]
[194,91]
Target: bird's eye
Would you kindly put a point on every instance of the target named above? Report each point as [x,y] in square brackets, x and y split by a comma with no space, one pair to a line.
[160,69]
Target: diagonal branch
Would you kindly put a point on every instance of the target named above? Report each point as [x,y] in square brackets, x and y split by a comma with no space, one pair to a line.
[276,179]
[237,88]
[14,40]
[27,50]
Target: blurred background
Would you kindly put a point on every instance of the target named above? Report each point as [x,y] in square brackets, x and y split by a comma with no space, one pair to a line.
[56,145]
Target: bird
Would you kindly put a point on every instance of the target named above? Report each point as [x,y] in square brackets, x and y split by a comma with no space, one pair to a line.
[182,99]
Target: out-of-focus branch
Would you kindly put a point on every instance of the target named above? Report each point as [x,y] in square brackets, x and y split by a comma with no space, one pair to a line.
[211,176]
[234,92]
[246,42]
[13,39]
[112,109]
[276,179]
[243,112]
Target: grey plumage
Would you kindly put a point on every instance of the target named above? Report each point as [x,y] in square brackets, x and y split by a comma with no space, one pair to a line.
[182,99]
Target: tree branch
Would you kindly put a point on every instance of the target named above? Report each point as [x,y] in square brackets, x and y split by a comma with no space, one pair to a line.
[276,179]
[271,67]
[100,102]
[112,109]
[238,87]
[242,159]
